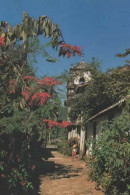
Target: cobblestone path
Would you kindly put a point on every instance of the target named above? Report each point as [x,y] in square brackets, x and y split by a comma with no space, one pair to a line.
[66,177]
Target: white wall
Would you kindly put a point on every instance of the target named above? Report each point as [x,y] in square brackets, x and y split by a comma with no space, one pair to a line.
[85,75]
[73,134]
[82,140]
[99,120]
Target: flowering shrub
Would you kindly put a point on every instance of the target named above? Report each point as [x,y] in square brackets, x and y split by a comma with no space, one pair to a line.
[18,166]
[110,159]
[36,97]
[22,94]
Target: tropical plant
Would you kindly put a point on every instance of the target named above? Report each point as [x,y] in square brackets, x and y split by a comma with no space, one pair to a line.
[25,101]
[109,160]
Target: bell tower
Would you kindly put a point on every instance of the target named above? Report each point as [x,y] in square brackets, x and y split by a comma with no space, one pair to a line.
[80,76]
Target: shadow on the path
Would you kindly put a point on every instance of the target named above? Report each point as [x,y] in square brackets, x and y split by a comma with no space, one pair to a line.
[52,170]
[48,153]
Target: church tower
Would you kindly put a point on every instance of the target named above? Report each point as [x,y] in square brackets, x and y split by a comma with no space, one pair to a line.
[80,76]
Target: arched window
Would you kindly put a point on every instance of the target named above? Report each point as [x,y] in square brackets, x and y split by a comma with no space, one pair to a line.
[81,81]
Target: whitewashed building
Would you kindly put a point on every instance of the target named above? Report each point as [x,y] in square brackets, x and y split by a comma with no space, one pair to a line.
[81,75]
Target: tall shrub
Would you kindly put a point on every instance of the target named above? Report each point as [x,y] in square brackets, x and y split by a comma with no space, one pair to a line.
[110,158]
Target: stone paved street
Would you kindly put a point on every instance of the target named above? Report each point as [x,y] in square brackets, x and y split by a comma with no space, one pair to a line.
[66,177]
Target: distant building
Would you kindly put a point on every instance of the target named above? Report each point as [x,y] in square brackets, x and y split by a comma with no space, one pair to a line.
[80,76]
[93,124]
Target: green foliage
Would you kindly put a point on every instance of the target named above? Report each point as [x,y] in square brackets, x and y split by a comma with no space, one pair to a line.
[103,90]
[109,159]
[126,53]
[21,134]
[30,28]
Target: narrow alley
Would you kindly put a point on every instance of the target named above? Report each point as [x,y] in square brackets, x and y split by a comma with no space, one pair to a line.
[64,176]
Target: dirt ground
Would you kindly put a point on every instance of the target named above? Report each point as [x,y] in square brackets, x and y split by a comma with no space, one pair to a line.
[64,176]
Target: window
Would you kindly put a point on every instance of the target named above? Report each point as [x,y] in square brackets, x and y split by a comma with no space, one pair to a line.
[81,81]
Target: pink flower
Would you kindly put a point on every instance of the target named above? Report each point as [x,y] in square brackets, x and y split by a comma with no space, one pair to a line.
[33,167]
[23,183]
[2,175]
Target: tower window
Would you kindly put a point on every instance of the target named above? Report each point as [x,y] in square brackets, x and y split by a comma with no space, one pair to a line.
[81,81]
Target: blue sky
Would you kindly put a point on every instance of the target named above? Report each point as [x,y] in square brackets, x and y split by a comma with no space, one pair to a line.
[100,27]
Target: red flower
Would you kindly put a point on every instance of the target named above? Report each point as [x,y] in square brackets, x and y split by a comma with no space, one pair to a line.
[29,78]
[12,86]
[27,92]
[23,183]
[64,124]
[12,82]
[42,97]
[2,41]
[49,81]
[2,175]
[51,123]
[68,54]
[28,88]
[46,81]
[68,49]
[124,139]
[33,167]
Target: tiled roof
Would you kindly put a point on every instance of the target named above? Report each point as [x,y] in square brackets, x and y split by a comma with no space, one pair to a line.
[108,109]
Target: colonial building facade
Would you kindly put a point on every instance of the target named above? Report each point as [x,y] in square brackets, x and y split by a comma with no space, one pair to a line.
[80,76]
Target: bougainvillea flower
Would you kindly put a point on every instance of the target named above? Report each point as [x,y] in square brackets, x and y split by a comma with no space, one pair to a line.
[42,97]
[51,123]
[23,183]
[64,124]
[67,49]
[33,167]
[29,78]
[65,45]
[27,93]
[46,81]
[12,82]
[29,88]
[12,86]
[49,81]
[2,175]
[2,41]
